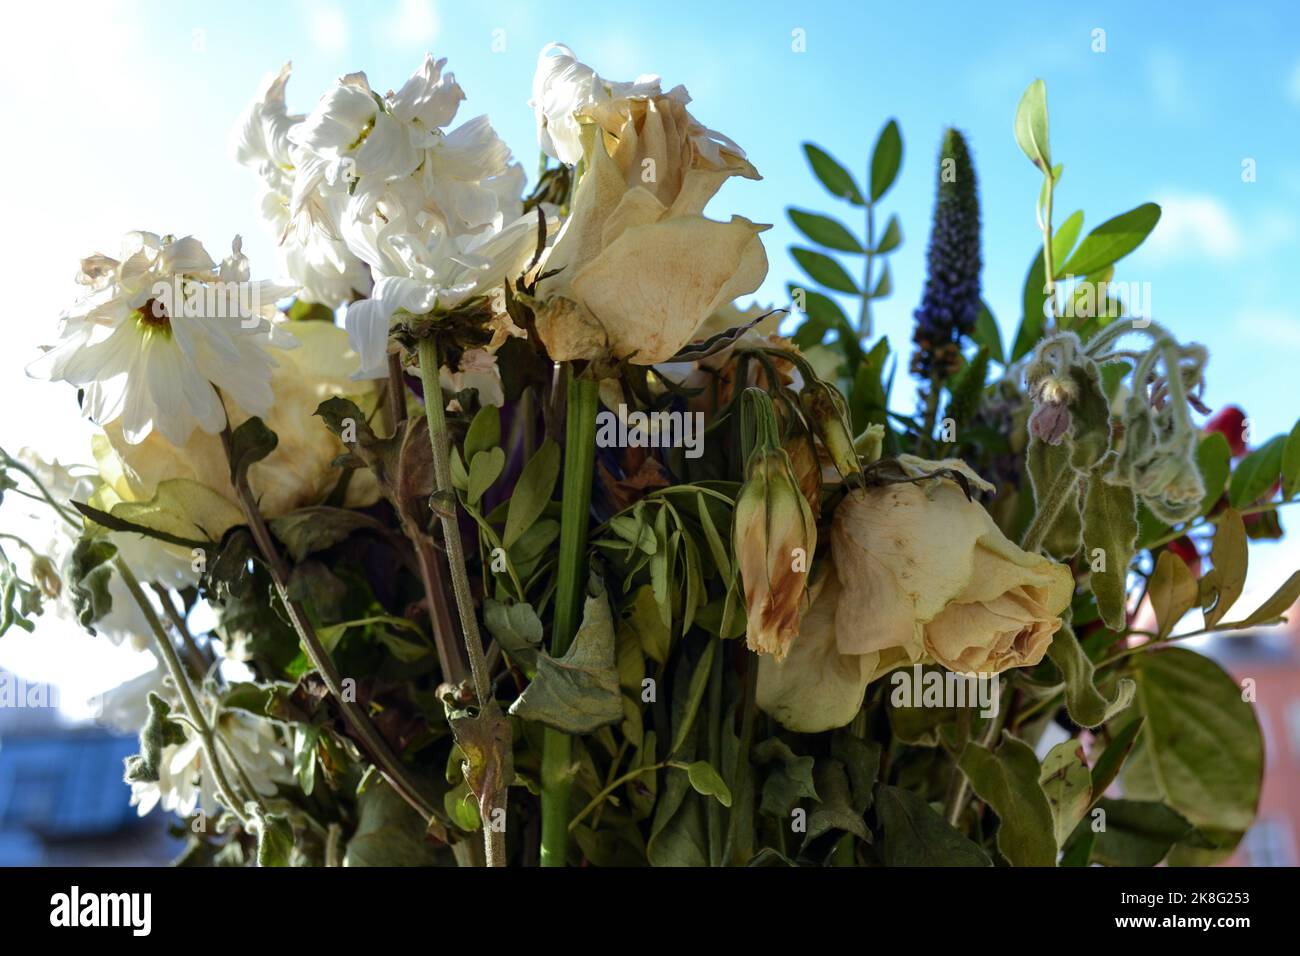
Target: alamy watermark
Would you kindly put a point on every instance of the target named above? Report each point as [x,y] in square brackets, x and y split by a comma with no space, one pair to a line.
[621,428]
[917,687]
[208,300]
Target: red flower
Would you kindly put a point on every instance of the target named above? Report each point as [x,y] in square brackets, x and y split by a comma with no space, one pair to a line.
[1230,422]
[1185,549]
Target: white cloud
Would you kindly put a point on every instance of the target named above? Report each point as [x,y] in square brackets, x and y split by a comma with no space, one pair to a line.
[1195,225]
[413,23]
[328,28]
[1269,325]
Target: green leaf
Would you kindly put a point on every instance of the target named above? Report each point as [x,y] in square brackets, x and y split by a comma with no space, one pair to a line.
[1291,464]
[986,333]
[1214,460]
[835,809]
[884,285]
[891,239]
[89,575]
[318,527]
[1067,783]
[389,832]
[886,157]
[1087,706]
[159,731]
[1031,126]
[644,620]
[1272,609]
[837,180]
[707,781]
[484,469]
[1046,464]
[916,835]
[578,693]
[182,512]
[533,490]
[1109,540]
[824,230]
[1254,475]
[1137,833]
[1227,579]
[1007,780]
[824,270]
[517,628]
[1173,591]
[249,443]
[1067,233]
[1202,753]
[694,696]
[274,841]
[303,311]
[788,782]
[484,432]
[1113,240]
[1111,761]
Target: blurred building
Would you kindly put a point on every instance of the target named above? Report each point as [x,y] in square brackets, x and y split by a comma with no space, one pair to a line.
[1271,658]
[62,798]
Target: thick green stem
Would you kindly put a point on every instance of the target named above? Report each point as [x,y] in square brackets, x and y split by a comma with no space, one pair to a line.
[579,464]
[445,495]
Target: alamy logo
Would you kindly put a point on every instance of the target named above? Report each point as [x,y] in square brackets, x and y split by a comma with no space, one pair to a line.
[916,687]
[103,909]
[209,300]
[17,692]
[624,429]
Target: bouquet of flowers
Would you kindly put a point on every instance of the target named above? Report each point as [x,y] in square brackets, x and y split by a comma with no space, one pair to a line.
[554,554]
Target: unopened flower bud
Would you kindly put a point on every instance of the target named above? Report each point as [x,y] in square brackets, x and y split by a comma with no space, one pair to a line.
[774,535]
[827,419]
[46,577]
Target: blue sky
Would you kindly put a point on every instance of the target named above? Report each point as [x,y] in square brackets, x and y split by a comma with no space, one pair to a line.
[119,114]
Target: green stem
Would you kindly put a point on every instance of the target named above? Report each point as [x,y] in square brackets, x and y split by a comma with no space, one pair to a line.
[864,315]
[1049,267]
[570,587]
[1046,512]
[445,495]
[207,740]
[960,785]
[390,765]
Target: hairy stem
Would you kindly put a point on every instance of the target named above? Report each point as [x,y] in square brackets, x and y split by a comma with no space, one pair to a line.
[445,496]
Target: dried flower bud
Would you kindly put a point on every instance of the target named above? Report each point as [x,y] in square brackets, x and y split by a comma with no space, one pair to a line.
[774,536]
[827,417]
[46,577]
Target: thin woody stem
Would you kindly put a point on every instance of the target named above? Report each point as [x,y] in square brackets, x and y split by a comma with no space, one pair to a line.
[494,839]
[207,739]
[394,771]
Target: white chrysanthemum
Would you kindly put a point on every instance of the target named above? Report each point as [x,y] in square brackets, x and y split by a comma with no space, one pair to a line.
[318,262]
[159,329]
[564,89]
[185,782]
[435,212]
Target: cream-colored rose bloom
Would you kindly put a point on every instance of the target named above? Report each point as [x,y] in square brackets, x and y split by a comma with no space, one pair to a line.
[816,687]
[927,570]
[921,573]
[299,471]
[640,267]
